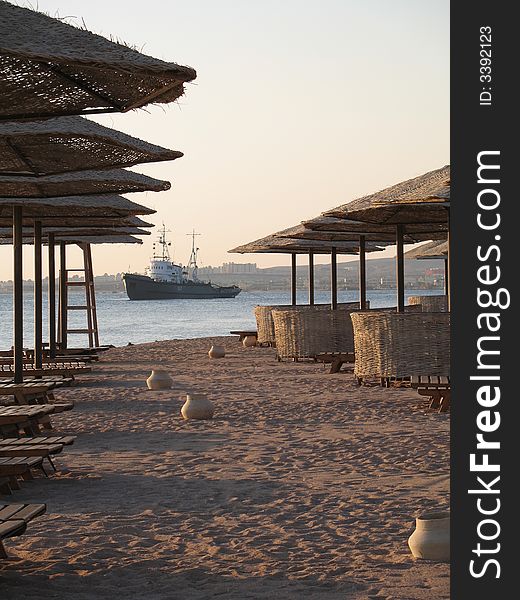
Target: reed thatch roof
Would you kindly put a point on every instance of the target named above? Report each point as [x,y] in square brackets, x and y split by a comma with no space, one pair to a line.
[301,232]
[101,239]
[109,206]
[50,68]
[434,249]
[65,144]
[415,232]
[7,232]
[75,221]
[116,181]
[277,243]
[98,239]
[423,199]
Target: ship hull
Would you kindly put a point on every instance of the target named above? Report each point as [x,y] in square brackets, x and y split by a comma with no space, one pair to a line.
[141,287]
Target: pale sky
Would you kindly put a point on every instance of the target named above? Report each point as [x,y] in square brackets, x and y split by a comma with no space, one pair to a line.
[298,107]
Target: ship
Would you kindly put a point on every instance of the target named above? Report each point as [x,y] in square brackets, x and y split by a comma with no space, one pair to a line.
[165,280]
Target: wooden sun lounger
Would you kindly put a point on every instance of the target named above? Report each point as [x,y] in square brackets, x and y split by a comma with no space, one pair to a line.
[14,419]
[56,380]
[36,446]
[49,369]
[436,387]
[13,467]
[34,392]
[336,359]
[14,519]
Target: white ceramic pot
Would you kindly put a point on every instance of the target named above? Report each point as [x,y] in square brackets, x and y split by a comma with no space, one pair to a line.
[249,341]
[197,406]
[431,538]
[159,380]
[217,352]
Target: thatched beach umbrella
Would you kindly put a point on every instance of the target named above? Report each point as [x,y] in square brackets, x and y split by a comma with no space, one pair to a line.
[74,222]
[364,241]
[331,228]
[276,243]
[64,144]
[115,181]
[49,68]
[437,249]
[423,200]
[39,208]
[62,236]
[102,206]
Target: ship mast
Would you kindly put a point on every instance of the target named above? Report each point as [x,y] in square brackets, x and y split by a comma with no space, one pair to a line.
[192,263]
[165,255]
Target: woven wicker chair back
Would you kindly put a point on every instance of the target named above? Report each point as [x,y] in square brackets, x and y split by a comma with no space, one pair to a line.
[265,323]
[437,303]
[390,344]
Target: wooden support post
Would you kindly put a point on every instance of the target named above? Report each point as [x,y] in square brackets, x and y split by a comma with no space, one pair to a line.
[17,295]
[311,278]
[447,267]
[63,304]
[38,311]
[293,279]
[333,279]
[362,273]
[400,267]
[52,297]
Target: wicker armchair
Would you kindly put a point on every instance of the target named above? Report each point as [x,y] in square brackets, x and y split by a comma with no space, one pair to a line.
[265,323]
[437,303]
[306,331]
[390,344]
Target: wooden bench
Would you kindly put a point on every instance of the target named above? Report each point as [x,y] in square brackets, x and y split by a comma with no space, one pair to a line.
[49,369]
[14,519]
[27,418]
[46,447]
[243,334]
[20,466]
[436,387]
[34,392]
[336,359]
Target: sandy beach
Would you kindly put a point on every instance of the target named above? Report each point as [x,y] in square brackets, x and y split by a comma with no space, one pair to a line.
[304,485]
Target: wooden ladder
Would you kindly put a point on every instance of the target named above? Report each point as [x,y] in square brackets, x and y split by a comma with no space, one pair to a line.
[90,301]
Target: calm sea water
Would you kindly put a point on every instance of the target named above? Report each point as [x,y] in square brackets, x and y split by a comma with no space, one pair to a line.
[121,320]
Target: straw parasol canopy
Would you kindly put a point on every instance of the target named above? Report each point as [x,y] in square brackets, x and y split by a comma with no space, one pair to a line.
[50,68]
[71,221]
[74,206]
[415,232]
[7,232]
[421,200]
[66,144]
[276,244]
[78,239]
[435,249]
[116,181]
[301,232]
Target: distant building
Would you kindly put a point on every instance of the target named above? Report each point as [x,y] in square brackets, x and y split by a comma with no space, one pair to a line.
[230,268]
[239,268]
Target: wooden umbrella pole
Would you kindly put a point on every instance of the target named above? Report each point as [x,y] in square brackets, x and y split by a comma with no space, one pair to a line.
[447,267]
[293,279]
[362,273]
[311,278]
[63,296]
[333,279]
[400,267]
[52,297]
[17,295]
[38,353]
